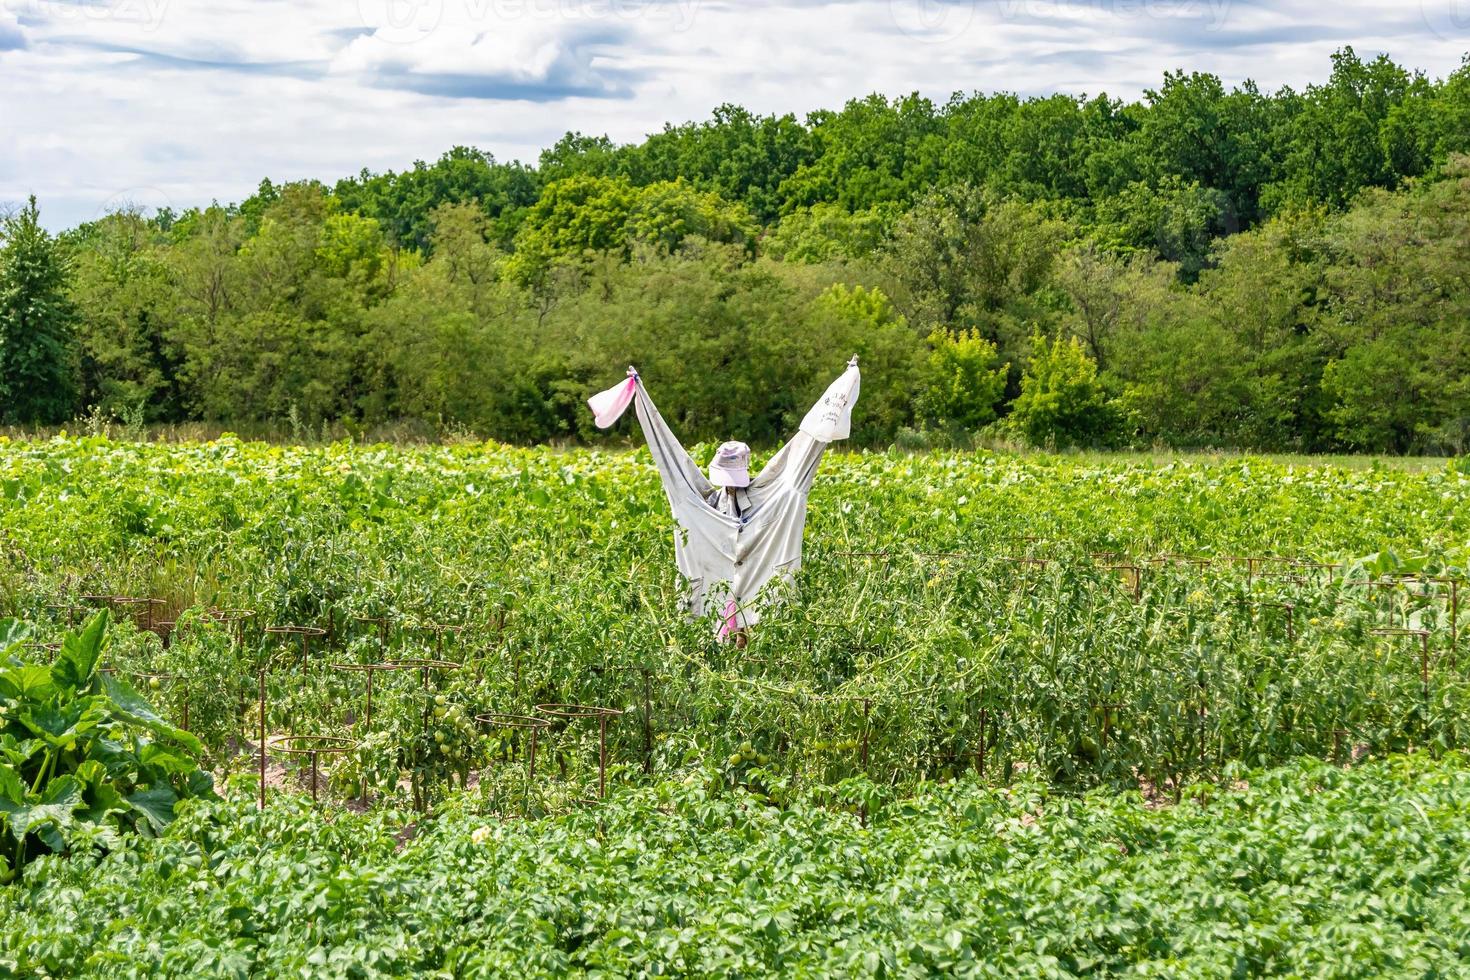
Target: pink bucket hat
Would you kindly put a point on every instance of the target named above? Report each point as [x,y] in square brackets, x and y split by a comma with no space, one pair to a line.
[731,465]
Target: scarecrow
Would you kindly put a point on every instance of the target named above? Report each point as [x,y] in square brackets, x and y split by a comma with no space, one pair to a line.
[737,532]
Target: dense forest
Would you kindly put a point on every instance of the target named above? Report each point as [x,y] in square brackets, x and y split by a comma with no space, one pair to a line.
[1202,267]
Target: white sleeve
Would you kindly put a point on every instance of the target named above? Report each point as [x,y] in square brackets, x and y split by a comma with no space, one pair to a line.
[830,419]
[681,475]
[795,463]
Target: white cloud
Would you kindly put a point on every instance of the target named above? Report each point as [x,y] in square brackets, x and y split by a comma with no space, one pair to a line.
[12,37]
[166,100]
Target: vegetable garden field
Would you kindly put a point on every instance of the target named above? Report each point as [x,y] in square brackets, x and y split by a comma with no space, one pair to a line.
[1022,714]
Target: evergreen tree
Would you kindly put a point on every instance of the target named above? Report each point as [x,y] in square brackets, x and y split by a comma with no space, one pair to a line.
[36,324]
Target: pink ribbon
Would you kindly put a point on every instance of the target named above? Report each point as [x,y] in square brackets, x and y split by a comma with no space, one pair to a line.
[731,621]
[608,406]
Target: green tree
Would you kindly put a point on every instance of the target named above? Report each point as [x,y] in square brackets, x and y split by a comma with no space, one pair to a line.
[842,320]
[123,296]
[964,382]
[1396,318]
[824,232]
[1062,400]
[1175,221]
[37,323]
[962,259]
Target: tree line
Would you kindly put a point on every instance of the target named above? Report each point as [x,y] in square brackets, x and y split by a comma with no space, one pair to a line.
[1202,267]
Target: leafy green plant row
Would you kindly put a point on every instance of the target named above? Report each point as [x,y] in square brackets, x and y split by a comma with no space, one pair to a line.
[903,668]
[1304,870]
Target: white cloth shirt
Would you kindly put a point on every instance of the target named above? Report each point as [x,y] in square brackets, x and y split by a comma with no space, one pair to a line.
[744,539]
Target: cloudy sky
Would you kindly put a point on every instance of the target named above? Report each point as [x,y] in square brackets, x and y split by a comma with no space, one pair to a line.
[152,102]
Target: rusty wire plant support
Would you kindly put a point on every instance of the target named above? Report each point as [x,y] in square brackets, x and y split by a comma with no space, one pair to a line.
[1289,608]
[1196,562]
[1134,578]
[423,665]
[50,648]
[70,609]
[1423,637]
[439,630]
[530,723]
[311,746]
[384,624]
[263,666]
[1331,568]
[368,670]
[142,608]
[647,705]
[307,634]
[573,712]
[1255,562]
[1451,601]
[165,630]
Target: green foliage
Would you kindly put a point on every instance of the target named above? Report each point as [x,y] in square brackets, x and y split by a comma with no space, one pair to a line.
[123,295]
[404,203]
[963,260]
[964,384]
[586,216]
[1062,401]
[85,758]
[1174,221]
[559,564]
[1397,375]
[1143,228]
[866,323]
[1303,869]
[37,323]
[826,231]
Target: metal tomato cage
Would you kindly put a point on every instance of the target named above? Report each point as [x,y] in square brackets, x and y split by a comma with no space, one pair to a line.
[233,619]
[1423,637]
[1428,592]
[62,607]
[576,712]
[384,625]
[439,631]
[306,633]
[423,665]
[646,704]
[49,648]
[310,746]
[142,608]
[513,723]
[367,670]
[1288,610]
